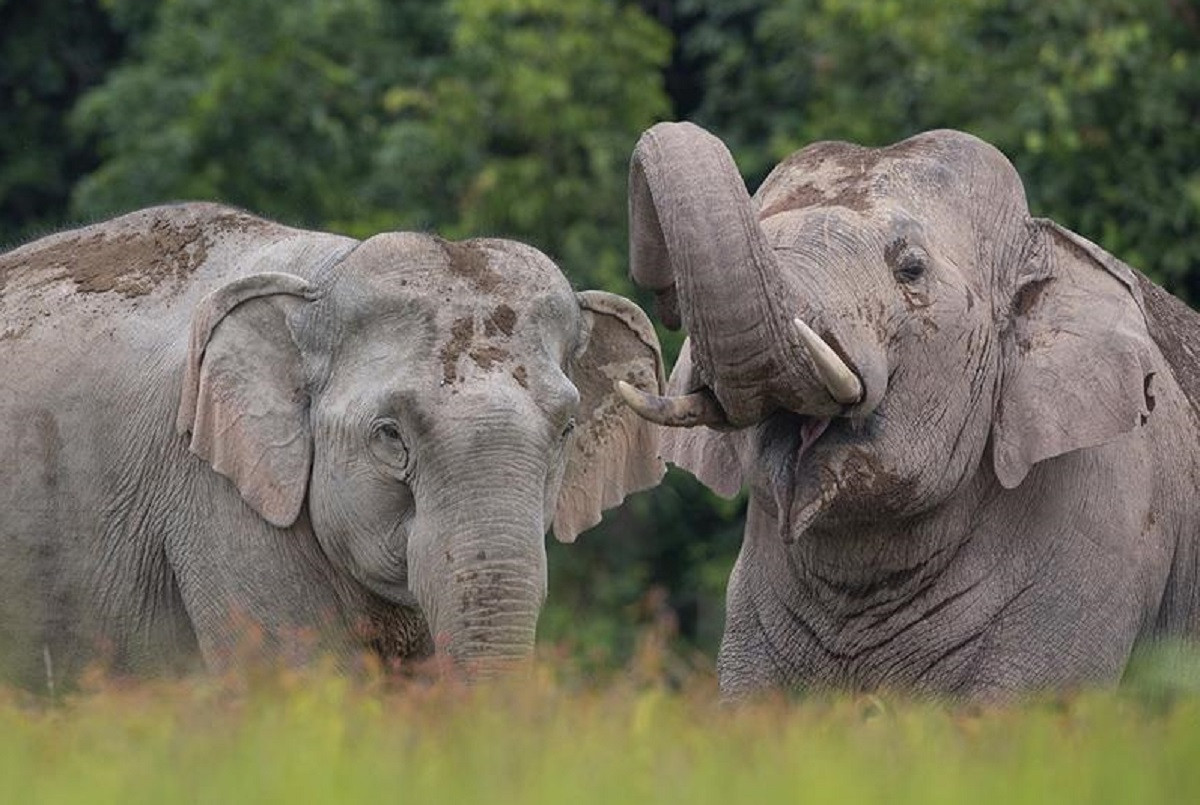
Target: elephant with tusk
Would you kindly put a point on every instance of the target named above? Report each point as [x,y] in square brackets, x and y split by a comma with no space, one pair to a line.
[221,432]
[970,437]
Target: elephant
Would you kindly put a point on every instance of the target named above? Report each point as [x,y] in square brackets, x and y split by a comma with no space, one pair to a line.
[228,440]
[969,437]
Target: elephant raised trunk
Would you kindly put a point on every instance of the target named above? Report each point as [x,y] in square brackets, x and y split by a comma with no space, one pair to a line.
[696,242]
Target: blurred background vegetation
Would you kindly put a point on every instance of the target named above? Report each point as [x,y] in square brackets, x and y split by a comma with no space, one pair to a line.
[516,118]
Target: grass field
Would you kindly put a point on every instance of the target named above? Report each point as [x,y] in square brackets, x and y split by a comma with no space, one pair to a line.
[317,737]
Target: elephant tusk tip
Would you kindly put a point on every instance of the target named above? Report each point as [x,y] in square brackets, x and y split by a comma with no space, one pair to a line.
[807,333]
[839,380]
[687,411]
[629,393]
[635,398]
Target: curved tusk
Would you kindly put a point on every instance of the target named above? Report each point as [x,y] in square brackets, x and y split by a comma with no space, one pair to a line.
[843,385]
[686,411]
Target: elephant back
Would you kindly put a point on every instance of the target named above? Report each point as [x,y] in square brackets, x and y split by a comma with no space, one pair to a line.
[144,269]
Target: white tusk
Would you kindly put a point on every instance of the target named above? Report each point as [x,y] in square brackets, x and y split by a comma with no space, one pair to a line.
[843,385]
[686,411]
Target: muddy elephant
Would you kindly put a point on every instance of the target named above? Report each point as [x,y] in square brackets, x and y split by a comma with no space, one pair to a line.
[225,436]
[969,436]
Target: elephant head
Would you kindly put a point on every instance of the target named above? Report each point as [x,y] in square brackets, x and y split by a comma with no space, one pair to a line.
[428,409]
[872,320]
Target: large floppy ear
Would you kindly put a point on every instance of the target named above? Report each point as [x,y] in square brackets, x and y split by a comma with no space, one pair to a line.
[717,458]
[243,400]
[1079,359]
[613,452]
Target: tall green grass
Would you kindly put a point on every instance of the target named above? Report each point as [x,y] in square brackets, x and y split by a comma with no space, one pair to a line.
[315,736]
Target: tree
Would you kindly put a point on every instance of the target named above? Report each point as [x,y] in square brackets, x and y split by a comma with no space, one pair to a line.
[52,53]
[504,117]
[1097,102]
[282,118]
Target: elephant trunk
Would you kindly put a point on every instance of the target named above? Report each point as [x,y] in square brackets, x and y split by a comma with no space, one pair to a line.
[477,564]
[696,242]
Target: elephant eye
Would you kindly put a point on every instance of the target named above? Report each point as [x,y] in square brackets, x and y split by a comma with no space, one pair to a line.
[570,426]
[911,265]
[387,444]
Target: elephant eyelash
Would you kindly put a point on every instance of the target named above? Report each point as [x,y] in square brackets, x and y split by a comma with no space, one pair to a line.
[387,443]
[389,429]
[908,260]
[912,268]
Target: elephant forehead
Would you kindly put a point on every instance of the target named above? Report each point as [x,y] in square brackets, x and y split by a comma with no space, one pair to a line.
[475,339]
[449,311]
[861,179]
[407,263]
[432,341]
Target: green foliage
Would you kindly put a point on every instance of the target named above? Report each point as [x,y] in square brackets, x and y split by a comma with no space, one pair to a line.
[282,118]
[50,52]
[318,738]
[526,132]
[1097,102]
[471,117]
[660,561]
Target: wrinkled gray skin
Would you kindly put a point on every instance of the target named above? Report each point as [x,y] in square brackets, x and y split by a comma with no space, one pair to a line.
[224,436]
[1011,505]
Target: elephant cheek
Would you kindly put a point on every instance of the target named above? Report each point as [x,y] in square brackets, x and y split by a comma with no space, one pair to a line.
[363,530]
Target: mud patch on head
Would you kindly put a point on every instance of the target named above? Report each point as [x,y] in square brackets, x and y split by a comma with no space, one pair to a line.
[13,332]
[498,323]
[856,197]
[52,446]
[836,174]
[487,356]
[521,375]
[502,320]
[470,261]
[462,332]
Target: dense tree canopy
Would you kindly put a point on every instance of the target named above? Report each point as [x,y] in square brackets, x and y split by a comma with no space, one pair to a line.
[516,118]
[511,117]
[50,53]
[1095,101]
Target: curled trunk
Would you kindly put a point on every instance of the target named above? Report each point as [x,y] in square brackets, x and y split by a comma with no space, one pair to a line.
[696,242]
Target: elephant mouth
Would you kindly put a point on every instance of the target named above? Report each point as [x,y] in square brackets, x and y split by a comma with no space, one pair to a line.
[811,428]
[785,439]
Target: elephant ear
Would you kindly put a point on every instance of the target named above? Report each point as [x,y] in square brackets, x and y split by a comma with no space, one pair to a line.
[1079,358]
[243,401]
[613,452]
[716,458]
